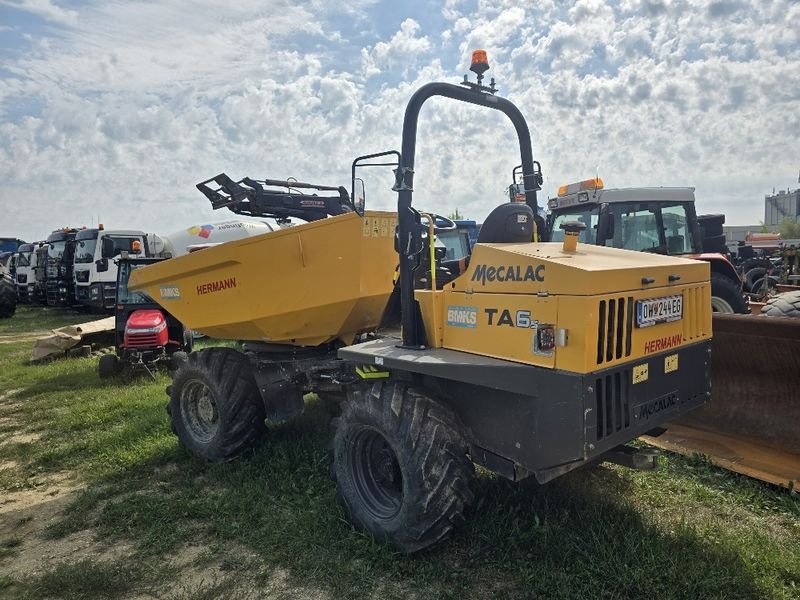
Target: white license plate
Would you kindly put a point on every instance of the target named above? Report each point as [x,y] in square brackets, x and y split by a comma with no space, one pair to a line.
[659,310]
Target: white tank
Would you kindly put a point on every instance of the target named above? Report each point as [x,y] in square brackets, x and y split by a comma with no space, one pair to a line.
[183,241]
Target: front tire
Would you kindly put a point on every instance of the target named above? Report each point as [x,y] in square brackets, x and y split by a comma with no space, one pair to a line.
[401,466]
[108,366]
[216,409]
[726,297]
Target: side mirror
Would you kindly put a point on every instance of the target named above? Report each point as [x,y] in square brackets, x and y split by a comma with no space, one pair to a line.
[359,196]
[605,225]
[108,249]
[102,264]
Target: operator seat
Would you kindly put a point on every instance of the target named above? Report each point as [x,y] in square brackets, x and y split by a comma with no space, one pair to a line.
[510,223]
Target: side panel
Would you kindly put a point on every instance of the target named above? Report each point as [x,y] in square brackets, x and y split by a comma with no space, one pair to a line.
[498,325]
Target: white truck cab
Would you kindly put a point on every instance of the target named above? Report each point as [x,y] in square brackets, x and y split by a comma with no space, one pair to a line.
[95,271]
[24,277]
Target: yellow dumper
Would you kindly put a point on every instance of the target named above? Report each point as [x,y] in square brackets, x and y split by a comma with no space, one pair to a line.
[528,358]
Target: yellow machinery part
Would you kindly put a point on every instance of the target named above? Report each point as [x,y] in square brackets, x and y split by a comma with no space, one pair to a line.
[589,297]
[304,285]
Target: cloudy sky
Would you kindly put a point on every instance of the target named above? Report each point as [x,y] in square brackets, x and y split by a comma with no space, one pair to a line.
[116,108]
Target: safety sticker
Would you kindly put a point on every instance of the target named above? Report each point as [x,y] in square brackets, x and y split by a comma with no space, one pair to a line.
[670,363]
[640,373]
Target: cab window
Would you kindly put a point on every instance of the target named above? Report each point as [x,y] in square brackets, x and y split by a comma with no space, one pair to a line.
[588,218]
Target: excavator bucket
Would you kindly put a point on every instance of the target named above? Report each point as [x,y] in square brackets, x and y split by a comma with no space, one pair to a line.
[304,285]
[752,423]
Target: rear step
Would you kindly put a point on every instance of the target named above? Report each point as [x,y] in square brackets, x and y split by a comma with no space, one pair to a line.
[642,459]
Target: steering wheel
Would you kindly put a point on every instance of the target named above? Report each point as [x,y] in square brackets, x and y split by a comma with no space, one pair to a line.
[449,224]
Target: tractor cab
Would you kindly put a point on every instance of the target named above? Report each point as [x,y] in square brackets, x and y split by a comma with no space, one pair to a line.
[660,220]
[145,335]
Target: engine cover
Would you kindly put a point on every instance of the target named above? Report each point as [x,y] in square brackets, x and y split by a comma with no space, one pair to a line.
[145,329]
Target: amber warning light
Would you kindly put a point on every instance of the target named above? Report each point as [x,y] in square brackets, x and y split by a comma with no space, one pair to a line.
[480,64]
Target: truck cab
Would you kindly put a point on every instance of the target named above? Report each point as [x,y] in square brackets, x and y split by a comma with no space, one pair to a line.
[24,277]
[661,220]
[60,282]
[95,271]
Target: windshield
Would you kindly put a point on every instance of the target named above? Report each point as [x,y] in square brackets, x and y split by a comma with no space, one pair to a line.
[84,250]
[649,227]
[56,249]
[123,295]
[456,242]
[588,217]
[24,259]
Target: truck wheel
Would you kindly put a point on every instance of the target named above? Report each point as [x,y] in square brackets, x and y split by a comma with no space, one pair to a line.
[8,299]
[216,410]
[401,466]
[108,366]
[726,296]
[783,305]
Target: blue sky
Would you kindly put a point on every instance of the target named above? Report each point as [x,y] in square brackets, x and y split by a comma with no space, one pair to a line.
[115,109]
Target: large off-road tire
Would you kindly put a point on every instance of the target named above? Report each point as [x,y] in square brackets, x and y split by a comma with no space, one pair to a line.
[400,465]
[751,276]
[752,263]
[216,410]
[783,305]
[726,297]
[8,299]
[108,366]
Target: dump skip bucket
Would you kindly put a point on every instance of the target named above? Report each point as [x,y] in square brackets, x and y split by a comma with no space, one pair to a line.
[752,423]
[304,285]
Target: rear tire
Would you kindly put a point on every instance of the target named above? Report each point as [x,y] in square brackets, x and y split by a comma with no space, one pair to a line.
[726,296]
[783,305]
[178,359]
[401,466]
[8,299]
[216,409]
[108,366]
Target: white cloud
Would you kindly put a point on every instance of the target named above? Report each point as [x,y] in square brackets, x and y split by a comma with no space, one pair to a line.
[45,9]
[122,112]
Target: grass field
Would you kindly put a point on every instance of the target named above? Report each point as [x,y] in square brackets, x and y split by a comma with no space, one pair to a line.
[97,500]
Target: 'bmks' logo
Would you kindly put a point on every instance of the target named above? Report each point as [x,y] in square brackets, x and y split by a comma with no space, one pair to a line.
[462,316]
[203,230]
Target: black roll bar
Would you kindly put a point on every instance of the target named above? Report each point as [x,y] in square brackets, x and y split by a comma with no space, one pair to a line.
[408,218]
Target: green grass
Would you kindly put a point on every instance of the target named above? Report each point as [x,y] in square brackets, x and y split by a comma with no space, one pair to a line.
[40,318]
[267,525]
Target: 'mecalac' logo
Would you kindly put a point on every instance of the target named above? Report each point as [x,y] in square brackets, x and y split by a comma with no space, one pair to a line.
[203,230]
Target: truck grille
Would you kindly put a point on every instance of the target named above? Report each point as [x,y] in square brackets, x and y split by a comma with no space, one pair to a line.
[614,329]
[612,403]
[142,340]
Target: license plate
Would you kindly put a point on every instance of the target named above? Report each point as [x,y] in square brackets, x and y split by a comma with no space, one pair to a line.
[659,310]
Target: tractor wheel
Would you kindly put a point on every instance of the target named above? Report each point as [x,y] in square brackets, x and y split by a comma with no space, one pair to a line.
[108,366]
[401,466]
[765,284]
[726,296]
[216,410]
[8,299]
[751,276]
[752,263]
[783,305]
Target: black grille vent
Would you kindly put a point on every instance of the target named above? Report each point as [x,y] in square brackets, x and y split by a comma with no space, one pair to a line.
[612,403]
[614,329]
